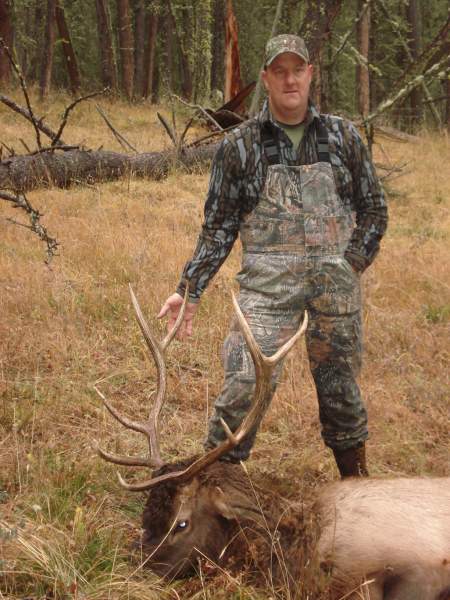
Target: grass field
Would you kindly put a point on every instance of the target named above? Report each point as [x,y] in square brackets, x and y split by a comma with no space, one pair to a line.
[65,524]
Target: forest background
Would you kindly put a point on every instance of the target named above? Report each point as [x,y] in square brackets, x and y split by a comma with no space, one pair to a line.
[143,49]
[66,527]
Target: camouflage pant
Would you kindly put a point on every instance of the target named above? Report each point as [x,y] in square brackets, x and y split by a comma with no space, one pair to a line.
[275,290]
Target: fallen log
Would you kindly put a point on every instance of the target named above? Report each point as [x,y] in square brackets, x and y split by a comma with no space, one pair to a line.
[64,168]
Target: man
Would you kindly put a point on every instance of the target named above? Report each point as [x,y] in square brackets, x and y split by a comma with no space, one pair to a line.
[301,190]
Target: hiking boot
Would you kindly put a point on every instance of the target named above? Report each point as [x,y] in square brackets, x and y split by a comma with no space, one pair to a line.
[352,461]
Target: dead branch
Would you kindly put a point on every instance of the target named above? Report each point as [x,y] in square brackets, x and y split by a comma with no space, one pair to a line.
[210,135]
[179,148]
[62,169]
[19,200]
[406,48]
[30,117]
[201,110]
[119,137]
[344,39]
[438,70]
[71,107]
[170,132]
[23,85]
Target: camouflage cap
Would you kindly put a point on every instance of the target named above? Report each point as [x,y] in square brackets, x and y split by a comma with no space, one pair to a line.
[285,43]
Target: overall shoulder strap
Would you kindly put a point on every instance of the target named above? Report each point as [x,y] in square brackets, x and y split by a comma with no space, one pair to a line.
[270,146]
[323,151]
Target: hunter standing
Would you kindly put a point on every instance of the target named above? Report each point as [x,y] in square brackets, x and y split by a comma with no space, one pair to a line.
[300,189]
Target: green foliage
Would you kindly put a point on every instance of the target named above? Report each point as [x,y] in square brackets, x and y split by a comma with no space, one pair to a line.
[191,45]
[437,314]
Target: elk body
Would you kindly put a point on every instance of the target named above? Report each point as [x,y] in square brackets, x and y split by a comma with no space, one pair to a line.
[392,534]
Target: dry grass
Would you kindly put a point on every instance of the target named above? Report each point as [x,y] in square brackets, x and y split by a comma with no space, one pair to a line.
[65,524]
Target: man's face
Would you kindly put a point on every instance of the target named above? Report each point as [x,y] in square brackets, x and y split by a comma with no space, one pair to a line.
[287,80]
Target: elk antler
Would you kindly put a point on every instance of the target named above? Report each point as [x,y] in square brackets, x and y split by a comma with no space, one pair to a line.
[264,366]
[150,427]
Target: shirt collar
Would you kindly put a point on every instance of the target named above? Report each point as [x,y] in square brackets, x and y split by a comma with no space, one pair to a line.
[266,117]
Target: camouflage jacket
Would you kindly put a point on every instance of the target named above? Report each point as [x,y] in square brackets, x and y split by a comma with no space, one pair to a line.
[237,180]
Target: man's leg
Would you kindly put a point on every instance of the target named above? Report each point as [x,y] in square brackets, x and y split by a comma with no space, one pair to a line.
[271,329]
[334,343]
[334,349]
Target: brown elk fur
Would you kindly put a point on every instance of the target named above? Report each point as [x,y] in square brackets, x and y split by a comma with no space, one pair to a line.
[394,531]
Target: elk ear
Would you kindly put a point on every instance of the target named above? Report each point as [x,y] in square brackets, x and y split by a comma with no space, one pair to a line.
[234,506]
[222,505]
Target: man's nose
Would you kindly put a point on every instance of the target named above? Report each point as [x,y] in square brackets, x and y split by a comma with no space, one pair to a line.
[290,78]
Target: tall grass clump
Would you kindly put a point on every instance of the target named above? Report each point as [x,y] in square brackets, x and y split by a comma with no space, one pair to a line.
[66,528]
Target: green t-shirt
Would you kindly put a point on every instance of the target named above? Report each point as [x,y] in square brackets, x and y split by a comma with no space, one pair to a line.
[294,132]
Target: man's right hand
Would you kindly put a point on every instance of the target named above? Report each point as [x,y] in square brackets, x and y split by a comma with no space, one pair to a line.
[171,309]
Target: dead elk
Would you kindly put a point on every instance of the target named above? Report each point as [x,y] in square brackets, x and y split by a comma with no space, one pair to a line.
[392,534]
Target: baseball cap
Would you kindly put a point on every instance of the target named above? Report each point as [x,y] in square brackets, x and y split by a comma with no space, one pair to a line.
[285,42]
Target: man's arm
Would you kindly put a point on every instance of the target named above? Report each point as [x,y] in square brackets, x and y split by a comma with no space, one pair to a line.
[221,222]
[368,201]
[219,231]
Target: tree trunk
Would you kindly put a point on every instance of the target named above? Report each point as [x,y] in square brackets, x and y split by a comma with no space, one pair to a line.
[233,82]
[108,66]
[447,104]
[318,81]
[202,52]
[217,66]
[152,32]
[6,34]
[183,58]
[415,48]
[254,107]
[37,34]
[61,169]
[316,30]
[317,25]
[48,51]
[126,46]
[362,71]
[168,73]
[69,54]
[139,50]
[185,42]
[446,88]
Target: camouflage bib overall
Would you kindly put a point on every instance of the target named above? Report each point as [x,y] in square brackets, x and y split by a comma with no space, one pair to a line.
[293,259]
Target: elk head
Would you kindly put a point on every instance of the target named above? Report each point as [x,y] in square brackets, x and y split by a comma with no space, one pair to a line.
[194,507]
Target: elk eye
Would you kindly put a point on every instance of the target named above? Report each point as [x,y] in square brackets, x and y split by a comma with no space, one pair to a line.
[181,525]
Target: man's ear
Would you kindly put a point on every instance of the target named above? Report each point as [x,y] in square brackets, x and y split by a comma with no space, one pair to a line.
[263,78]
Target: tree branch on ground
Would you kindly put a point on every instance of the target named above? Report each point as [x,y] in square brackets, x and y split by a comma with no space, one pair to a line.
[119,137]
[202,110]
[23,85]
[19,200]
[30,117]
[67,111]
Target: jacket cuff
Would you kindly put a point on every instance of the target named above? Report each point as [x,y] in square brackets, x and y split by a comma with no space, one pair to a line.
[358,262]
[181,288]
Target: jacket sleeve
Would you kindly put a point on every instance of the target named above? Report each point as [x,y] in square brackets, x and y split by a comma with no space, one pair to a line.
[221,222]
[369,203]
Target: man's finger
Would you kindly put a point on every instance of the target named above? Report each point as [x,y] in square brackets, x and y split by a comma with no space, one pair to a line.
[189,327]
[164,310]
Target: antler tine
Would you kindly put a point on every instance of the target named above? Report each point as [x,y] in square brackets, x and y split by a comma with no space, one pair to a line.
[115,458]
[150,427]
[264,366]
[157,350]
